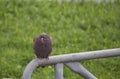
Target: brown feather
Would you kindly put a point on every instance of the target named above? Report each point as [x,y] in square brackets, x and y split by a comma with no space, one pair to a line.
[42,46]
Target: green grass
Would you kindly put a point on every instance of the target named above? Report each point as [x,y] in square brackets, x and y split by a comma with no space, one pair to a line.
[74,27]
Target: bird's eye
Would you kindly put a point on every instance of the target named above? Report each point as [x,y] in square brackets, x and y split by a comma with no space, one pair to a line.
[41,36]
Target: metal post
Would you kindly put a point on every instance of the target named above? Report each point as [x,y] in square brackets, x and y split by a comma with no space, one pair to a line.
[58,71]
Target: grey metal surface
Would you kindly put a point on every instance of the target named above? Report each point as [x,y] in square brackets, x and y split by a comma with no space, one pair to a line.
[58,71]
[78,1]
[79,69]
[80,56]
[69,58]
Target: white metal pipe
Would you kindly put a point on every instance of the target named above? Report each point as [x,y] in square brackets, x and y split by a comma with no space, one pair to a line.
[58,71]
[80,56]
[79,69]
[69,58]
[29,69]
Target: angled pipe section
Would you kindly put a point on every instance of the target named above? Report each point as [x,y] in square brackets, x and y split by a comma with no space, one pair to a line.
[79,69]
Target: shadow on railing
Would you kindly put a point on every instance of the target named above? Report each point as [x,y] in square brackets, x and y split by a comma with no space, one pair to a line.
[71,61]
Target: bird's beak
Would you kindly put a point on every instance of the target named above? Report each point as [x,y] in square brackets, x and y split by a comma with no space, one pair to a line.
[42,39]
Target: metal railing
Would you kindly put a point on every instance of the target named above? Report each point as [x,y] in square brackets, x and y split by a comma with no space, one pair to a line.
[71,61]
[78,1]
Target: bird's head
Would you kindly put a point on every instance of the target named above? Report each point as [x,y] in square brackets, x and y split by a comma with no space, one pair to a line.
[44,37]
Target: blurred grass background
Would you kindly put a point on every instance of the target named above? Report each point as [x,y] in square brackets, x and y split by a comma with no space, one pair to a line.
[74,27]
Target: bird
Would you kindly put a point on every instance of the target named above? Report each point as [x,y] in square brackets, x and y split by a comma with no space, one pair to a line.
[42,46]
